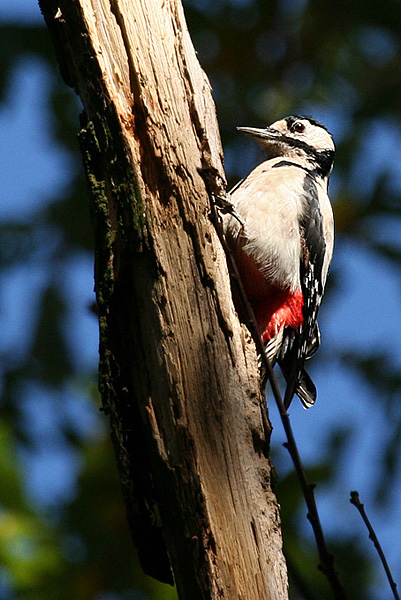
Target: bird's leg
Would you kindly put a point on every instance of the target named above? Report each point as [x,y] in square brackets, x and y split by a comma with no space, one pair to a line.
[225,206]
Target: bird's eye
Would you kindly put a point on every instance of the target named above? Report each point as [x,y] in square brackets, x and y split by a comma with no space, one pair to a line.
[299,127]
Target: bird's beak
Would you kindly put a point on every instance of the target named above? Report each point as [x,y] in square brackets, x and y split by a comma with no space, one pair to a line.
[261,135]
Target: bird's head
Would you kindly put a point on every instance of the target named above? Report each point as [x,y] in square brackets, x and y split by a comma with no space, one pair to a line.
[297,136]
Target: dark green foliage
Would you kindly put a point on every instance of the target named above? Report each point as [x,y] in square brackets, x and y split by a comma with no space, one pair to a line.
[49,351]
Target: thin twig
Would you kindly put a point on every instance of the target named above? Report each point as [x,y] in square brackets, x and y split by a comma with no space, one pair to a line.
[372,536]
[326,559]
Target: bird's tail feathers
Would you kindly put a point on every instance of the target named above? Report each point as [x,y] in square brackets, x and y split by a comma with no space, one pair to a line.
[292,366]
[306,390]
[301,384]
[281,349]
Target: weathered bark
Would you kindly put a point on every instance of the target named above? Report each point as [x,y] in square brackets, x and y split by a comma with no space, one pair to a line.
[178,374]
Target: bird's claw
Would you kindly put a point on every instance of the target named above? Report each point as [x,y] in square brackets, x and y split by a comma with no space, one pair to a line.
[226,207]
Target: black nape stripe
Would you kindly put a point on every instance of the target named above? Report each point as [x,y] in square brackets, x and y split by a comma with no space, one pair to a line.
[289,163]
[322,158]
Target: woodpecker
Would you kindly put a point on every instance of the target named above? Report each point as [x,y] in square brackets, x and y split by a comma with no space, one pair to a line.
[281,235]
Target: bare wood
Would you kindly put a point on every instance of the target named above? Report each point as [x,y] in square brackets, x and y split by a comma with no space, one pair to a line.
[178,373]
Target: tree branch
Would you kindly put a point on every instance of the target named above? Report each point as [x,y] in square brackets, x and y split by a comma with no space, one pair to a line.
[178,374]
[372,535]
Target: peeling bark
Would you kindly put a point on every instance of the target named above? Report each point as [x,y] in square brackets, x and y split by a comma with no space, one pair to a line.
[178,373]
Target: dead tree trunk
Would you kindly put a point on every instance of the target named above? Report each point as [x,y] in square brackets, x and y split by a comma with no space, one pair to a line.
[178,374]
